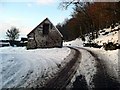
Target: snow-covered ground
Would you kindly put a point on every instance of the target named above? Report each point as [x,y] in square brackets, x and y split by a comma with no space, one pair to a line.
[21,67]
[109,58]
[112,35]
[87,68]
[77,42]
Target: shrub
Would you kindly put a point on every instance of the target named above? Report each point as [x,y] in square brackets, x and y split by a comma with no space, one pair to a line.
[105,33]
[111,46]
[95,45]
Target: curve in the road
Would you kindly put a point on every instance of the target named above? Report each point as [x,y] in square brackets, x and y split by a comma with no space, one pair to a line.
[63,77]
[102,79]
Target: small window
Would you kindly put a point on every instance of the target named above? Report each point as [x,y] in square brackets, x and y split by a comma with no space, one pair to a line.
[45,29]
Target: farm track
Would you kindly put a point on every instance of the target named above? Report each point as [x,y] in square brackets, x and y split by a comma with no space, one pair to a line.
[102,79]
[62,79]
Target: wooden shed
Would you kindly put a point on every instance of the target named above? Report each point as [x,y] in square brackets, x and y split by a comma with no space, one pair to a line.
[45,35]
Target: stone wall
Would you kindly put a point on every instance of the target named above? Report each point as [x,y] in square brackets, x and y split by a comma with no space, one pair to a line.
[37,40]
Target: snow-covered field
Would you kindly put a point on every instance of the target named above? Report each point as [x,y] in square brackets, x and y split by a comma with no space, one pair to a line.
[21,67]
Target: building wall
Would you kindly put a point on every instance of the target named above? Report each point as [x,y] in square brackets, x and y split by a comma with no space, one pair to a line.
[37,40]
[31,42]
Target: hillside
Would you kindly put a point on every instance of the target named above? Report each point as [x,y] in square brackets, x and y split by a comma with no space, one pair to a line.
[106,35]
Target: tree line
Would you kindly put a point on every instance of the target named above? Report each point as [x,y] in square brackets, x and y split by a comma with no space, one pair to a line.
[88,18]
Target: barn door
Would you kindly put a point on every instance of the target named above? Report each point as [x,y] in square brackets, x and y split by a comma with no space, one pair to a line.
[45,29]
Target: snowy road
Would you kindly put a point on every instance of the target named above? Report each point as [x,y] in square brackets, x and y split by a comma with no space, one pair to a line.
[91,67]
[102,79]
[55,68]
[64,76]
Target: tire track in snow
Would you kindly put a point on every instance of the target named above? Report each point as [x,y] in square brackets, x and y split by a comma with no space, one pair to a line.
[29,71]
[15,70]
[102,79]
[62,79]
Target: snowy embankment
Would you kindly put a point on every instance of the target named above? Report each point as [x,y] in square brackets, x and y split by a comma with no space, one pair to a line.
[77,42]
[22,68]
[108,35]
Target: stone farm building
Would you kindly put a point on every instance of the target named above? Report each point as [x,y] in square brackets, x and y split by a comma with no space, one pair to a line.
[45,35]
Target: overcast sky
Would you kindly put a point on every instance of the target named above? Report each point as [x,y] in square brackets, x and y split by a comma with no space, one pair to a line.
[27,14]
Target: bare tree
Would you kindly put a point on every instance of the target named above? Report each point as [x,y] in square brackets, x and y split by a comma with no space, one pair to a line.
[94,15]
[12,33]
[81,7]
